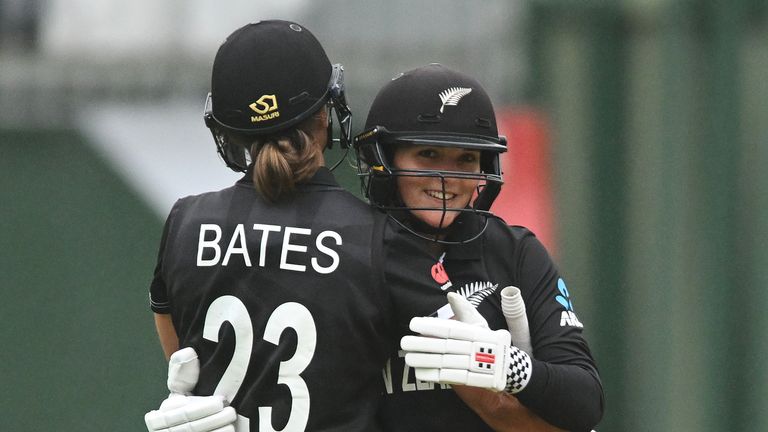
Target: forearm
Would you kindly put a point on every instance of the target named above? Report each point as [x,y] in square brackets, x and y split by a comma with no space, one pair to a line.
[569,396]
[502,412]
[167,334]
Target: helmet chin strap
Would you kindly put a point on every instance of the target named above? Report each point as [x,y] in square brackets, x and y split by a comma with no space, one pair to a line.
[411,223]
[345,152]
[419,225]
[329,141]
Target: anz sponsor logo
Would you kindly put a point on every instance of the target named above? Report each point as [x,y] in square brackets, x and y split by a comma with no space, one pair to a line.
[567,317]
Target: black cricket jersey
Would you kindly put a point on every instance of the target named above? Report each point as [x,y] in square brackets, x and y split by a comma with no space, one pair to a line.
[285,303]
[565,387]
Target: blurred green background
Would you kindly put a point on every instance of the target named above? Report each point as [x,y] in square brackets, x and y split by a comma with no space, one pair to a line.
[658,117]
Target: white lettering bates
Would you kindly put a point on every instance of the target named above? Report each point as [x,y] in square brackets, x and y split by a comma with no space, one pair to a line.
[237,246]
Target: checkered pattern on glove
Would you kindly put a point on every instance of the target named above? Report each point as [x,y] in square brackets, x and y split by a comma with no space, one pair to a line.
[519,373]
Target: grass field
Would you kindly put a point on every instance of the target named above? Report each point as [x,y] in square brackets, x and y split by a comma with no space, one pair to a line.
[77,251]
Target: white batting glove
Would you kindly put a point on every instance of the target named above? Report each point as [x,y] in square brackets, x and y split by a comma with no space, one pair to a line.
[183,413]
[465,351]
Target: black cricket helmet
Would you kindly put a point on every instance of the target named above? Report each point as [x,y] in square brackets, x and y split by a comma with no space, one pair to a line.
[430,106]
[268,77]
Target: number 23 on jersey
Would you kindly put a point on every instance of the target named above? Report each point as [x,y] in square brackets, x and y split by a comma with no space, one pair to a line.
[288,315]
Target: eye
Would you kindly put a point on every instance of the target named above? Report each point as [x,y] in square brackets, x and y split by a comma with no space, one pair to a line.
[469,157]
[427,153]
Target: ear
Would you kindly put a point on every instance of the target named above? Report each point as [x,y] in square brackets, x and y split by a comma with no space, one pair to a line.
[327,114]
[323,117]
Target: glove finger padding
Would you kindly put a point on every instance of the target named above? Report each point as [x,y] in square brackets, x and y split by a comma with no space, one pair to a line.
[454,352]
[456,330]
[173,401]
[466,351]
[464,311]
[223,421]
[191,413]
[180,413]
[438,361]
[227,428]
[458,376]
[435,345]
[183,371]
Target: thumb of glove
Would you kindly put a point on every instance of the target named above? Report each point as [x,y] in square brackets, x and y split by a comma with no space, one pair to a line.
[183,371]
[464,311]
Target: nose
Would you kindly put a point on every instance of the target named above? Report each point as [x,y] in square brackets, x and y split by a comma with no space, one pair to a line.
[453,184]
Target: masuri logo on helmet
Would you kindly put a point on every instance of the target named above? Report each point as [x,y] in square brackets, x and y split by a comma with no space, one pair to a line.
[265,104]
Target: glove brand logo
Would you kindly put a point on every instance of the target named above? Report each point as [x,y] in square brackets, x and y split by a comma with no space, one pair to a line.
[452,96]
[567,317]
[485,359]
[265,107]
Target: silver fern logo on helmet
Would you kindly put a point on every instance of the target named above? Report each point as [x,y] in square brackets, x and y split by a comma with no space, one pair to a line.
[453,95]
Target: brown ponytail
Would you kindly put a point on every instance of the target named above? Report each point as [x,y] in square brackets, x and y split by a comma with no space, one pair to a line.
[287,158]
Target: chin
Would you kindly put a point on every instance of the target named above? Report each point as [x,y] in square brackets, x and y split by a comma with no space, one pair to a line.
[432,218]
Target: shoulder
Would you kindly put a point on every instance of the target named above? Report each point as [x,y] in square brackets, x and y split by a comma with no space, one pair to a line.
[499,231]
[195,205]
[339,205]
[185,202]
[211,197]
[352,202]
[519,242]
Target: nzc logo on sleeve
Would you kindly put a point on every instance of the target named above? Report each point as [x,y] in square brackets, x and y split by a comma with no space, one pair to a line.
[265,108]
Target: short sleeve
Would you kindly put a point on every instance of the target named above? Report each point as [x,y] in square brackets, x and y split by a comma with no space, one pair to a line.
[159,300]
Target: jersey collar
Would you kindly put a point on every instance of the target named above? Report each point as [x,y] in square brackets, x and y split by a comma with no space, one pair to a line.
[323,177]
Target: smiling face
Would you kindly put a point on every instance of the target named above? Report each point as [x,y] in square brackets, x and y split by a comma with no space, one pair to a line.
[434,192]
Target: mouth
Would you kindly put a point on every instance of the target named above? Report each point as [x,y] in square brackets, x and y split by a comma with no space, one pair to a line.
[439,195]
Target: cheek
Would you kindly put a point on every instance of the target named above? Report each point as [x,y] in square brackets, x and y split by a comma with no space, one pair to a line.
[469,186]
[402,184]
[407,187]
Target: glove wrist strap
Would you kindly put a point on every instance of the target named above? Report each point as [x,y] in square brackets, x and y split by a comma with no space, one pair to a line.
[520,369]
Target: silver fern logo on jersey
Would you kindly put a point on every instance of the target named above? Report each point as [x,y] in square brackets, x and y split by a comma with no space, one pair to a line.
[452,96]
[476,292]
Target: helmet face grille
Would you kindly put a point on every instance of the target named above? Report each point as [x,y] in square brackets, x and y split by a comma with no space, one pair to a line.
[381,189]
